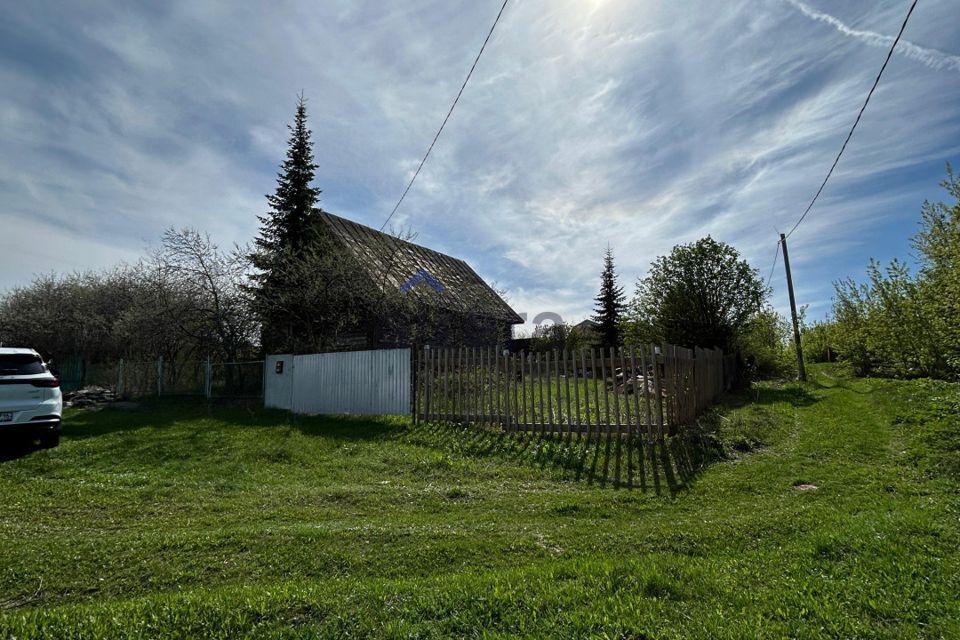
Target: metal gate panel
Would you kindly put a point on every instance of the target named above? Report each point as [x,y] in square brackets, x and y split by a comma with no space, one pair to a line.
[278,381]
[355,382]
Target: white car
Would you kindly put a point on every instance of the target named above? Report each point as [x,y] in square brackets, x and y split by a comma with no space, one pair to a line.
[30,400]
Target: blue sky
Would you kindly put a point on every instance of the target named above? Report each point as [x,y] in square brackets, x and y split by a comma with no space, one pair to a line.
[638,124]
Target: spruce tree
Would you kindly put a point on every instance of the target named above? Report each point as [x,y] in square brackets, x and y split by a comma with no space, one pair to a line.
[610,305]
[293,206]
[289,234]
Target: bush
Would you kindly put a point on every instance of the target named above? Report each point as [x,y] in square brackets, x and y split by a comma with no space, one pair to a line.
[905,324]
[766,348]
[560,337]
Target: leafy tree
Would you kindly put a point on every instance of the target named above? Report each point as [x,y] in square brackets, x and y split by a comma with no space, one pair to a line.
[938,245]
[886,325]
[559,336]
[182,302]
[702,294]
[608,313]
[903,324]
[214,311]
[765,343]
[819,341]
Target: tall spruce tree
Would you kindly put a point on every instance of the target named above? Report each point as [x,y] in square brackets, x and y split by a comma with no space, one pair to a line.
[610,305]
[288,232]
[293,206]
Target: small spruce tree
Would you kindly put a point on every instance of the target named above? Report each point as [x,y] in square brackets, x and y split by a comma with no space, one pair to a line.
[610,305]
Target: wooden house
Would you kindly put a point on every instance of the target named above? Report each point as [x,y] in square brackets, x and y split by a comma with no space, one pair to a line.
[431,298]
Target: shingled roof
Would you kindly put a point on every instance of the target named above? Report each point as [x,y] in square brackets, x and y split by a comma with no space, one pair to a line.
[415,270]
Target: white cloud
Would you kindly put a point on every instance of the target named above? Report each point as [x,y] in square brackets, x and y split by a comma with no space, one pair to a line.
[930,57]
[638,124]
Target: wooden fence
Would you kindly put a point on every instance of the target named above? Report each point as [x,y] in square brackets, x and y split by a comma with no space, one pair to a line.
[651,391]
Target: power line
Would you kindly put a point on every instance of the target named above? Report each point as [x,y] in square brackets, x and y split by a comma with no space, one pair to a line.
[773,266]
[857,121]
[444,123]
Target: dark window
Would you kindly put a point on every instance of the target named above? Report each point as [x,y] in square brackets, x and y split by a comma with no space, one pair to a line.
[21,365]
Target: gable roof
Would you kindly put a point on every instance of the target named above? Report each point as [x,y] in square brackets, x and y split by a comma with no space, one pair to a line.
[412,269]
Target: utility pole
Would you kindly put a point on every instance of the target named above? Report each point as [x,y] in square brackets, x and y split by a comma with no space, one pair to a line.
[793,310]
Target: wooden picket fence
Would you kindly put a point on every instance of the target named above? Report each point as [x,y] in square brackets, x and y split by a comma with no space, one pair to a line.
[653,391]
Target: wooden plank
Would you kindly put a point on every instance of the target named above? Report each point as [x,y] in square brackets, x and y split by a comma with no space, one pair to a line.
[616,411]
[556,380]
[667,392]
[678,384]
[428,380]
[501,386]
[627,413]
[576,395]
[549,416]
[606,395]
[478,394]
[481,386]
[523,388]
[458,405]
[495,386]
[515,393]
[532,406]
[517,369]
[426,385]
[666,378]
[638,419]
[472,385]
[539,382]
[415,382]
[507,392]
[675,381]
[657,391]
[586,390]
[492,384]
[442,374]
[566,386]
[433,384]
[616,396]
[596,391]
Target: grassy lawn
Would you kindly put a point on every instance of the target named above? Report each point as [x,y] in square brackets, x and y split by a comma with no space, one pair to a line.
[182,521]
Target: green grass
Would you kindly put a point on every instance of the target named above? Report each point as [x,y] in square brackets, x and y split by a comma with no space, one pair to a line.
[182,521]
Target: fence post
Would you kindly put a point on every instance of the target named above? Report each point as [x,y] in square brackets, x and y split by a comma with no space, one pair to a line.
[208,379]
[120,379]
[414,382]
[428,383]
[159,375]
[658,390]
[507,419]
[539,383]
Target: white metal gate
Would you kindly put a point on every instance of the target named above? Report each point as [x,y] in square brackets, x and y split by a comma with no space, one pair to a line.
[355,382]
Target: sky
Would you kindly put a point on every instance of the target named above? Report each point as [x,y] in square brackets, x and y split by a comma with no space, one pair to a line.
[587,123]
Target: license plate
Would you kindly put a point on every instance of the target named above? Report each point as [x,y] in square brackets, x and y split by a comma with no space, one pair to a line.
[6,417]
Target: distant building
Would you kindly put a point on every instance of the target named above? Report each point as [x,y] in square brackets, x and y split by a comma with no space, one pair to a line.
[590,331]
[441,300]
